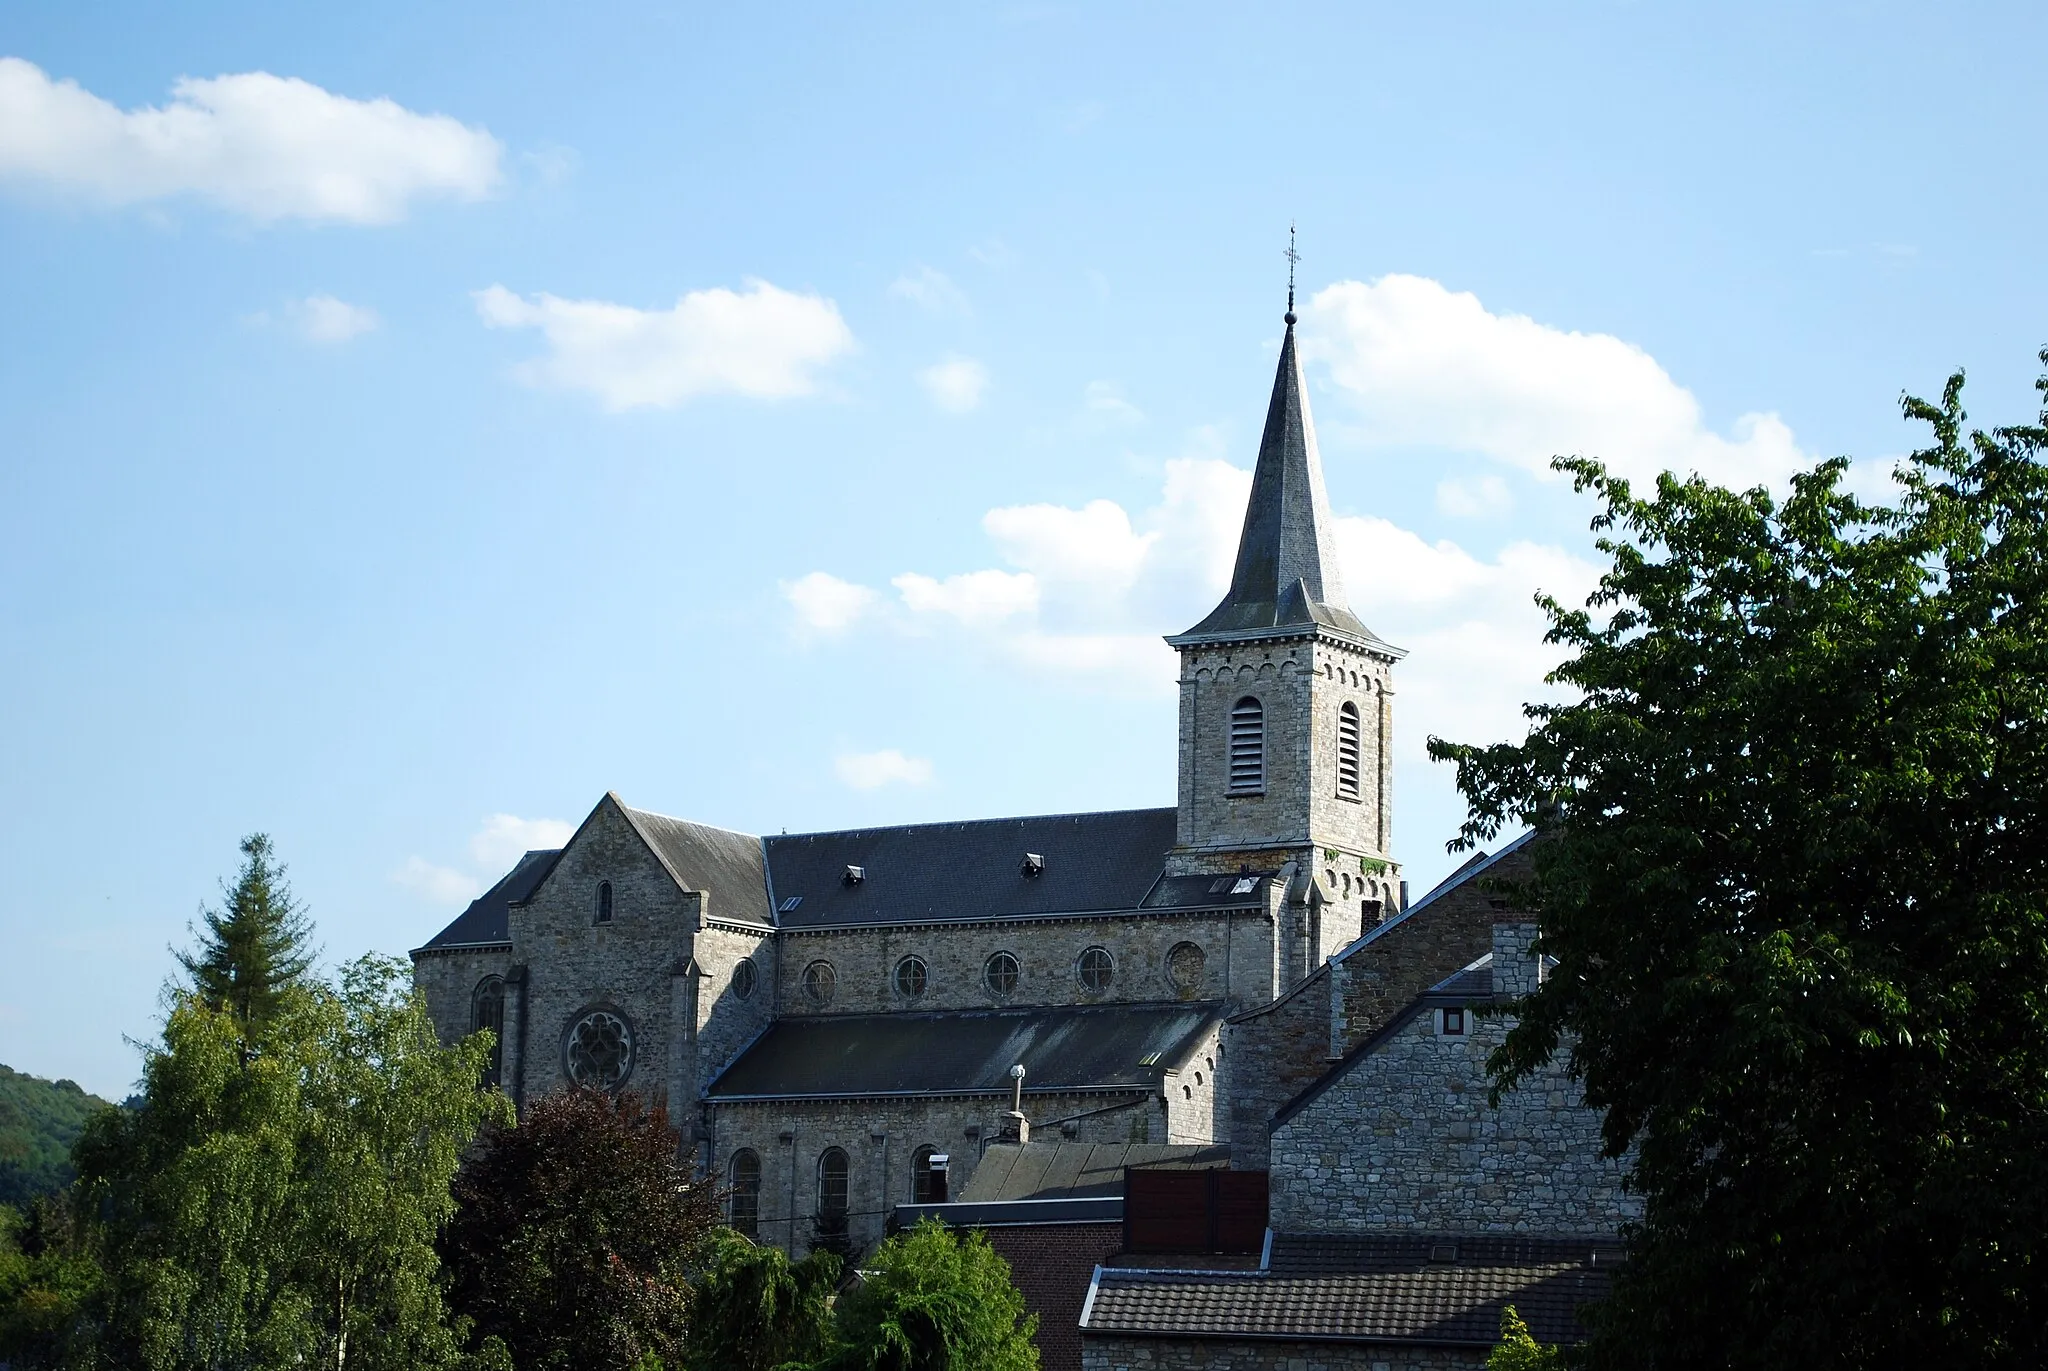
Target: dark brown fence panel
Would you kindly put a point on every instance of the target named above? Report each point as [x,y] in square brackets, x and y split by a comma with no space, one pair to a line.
[1194,1211]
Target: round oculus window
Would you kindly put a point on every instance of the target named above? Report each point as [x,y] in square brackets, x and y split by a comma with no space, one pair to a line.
[820,981]
[598,1050]
[999,974]
[1095,969]
[745,978]
[912,977]
[1184,969]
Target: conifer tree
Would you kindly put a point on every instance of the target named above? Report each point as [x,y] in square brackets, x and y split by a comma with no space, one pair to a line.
[254,947]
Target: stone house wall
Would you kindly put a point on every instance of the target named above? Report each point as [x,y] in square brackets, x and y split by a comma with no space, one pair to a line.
[1404,1140]
[449,980]
[1236,961]
[1100,1353]
[1275,1052]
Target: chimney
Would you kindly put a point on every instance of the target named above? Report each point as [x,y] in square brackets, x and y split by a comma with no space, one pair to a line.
[1516,969]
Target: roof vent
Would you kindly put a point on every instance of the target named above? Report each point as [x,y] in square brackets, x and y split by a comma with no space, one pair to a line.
[1443,1252]
[855,875]
[789,905]
[1034,864]
[1243,885]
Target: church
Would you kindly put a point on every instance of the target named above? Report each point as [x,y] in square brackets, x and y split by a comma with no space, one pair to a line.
[843,1022]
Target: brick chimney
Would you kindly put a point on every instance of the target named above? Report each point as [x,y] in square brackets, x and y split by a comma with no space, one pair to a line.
[1516,969]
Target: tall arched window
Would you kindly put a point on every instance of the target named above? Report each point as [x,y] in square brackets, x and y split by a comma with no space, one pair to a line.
[1247,747]
[604,902]
[1347,751]
[924,1181]
[746,1192]
[487,1010]
[832,1194]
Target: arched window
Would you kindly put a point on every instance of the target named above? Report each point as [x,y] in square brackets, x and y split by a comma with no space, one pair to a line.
[1095,970]
[925,1187]
[604,902]
[745,1201]
[1247,747]
[487,1010]
[745,976]
[1347,751]
[912,977]
[832,1194]
[999,974]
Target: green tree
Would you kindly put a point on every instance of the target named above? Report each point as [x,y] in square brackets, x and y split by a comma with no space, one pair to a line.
[576,1232]
[1796,880]
[1518,1349]
[934,1300]
[257,946]
[274,1201]
[39,1121]
[755,1310]
[48,1280]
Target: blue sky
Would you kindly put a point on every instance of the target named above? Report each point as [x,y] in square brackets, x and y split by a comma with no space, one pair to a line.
[416,421]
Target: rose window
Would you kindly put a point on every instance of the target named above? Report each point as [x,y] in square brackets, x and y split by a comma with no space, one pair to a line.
[600,1049]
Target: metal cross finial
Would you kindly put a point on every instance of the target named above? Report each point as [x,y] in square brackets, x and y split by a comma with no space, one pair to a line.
[1292,257]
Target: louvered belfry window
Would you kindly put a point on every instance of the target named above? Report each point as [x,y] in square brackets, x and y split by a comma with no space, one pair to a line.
[1347,751]
[1247,747]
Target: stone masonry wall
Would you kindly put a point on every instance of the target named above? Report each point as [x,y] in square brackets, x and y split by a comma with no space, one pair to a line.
[1207,1354]
[880,1136]
[1274,1053]
[628,966]
[1405,1140]
[449,981]
[1236,950]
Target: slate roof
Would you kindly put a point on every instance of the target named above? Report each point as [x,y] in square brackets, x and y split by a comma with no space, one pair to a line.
[1071,1047]
[1286,575]
[1396,1288]
[1076,1170]
[723,864]
[970,870]
[486,920]
[1209,892]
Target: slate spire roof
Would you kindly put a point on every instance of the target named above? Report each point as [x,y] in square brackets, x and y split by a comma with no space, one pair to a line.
[1287,574]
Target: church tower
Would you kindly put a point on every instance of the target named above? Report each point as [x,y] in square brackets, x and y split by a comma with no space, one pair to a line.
[1286,705]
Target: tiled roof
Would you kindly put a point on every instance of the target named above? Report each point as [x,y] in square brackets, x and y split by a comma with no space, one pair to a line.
[487,920]
[1073,1047]
[971,870]
[1405,1288]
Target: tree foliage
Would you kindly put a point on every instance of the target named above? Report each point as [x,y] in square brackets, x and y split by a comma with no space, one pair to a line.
[39,1121]
[934,1300]
[1518,1349]
[755,1310]
[575,1234]
[48,1280]
[274,1201]
[1796,880]
[254,948]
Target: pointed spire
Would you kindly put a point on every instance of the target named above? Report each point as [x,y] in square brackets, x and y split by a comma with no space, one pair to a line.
[1287,572]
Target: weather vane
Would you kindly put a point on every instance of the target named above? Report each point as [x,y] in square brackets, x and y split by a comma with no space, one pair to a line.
[1292,257]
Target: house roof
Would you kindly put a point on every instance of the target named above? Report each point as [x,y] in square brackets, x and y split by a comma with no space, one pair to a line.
[725,865]
[487,921]
[969,870]
[1074,1170]
[1286,575]
[1397,1288]
[1072,1047]
[1475,866]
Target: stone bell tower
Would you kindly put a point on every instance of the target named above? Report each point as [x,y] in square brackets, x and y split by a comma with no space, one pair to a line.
[1286,704]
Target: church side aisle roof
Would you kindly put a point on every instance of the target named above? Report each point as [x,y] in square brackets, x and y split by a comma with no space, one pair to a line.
[487,919]
[969,870]
[1071,1047]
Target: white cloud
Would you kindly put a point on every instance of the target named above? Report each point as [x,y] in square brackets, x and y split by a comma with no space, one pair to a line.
[1473,498]
[1432,367]
[872,770]
[974,598]
[493,850]
[930,289]
[269,147]
[765,342]
[826,604]
[954,385]
[1106,399]
[505,838]
[324,319]
[437,884]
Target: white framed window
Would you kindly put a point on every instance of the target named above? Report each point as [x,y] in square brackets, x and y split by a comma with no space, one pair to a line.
[1452,1021]
[1248,747]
